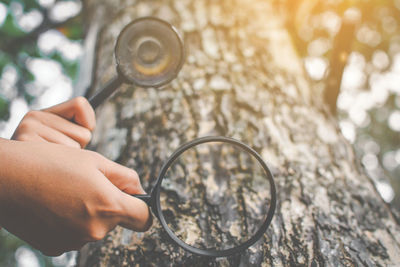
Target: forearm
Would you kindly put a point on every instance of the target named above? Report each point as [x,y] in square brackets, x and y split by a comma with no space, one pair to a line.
[5,161]
[11,164]
[5,167]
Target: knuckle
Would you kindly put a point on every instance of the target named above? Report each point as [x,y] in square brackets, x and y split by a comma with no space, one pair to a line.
[25,125]
[80,102]
[23,137]
[94,156]
[96,233]
[86,136]
[25,130]
[33,114]
[74,144]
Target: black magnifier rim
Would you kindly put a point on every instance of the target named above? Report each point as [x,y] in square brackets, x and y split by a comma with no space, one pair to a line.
[216,253]
[181,52]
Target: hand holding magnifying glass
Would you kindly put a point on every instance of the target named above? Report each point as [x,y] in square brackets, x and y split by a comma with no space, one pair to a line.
[214,196]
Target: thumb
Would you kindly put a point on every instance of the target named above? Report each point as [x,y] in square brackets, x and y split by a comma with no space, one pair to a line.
[125,179]
[135,213]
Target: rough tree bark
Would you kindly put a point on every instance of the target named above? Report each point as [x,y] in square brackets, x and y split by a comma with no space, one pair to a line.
[242,78]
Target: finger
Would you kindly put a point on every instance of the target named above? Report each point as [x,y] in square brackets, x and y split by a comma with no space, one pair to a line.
[78,133]
[25,132]
[30,137]
[122,177]
[135,214]
[77,109]
[53,136]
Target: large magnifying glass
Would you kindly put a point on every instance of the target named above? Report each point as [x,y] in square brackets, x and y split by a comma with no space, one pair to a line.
[214,196]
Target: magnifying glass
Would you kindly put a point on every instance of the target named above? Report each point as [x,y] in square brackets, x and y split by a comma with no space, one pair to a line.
[149,53]
[214,196]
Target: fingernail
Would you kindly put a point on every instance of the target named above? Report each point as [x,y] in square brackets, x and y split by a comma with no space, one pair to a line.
[142,190]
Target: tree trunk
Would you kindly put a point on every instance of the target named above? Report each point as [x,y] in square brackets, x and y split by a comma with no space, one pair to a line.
[242,78]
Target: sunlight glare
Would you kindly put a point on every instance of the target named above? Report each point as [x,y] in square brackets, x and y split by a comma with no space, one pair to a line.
[368,36]
[389,24]
[331,21]
[370,161]
[25,257]
[46,3]
[3,13]
[8,81]
[396,64]
[319,47]
[71,50]
[353,74]
[57,93]
[316,67]
[50,40]
[359,116]
[353,78]
[64,10]
[30,20]
[18,109]
[371,146]
[385,190]
[394,121]
[46,71]
[389,161]
[380,59]
[348,130]
[48,74]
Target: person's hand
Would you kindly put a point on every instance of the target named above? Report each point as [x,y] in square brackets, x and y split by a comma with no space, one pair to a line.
[58,198]
[69,123]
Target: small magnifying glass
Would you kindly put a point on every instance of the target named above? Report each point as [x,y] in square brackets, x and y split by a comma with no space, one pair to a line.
[149,53]
[214,196]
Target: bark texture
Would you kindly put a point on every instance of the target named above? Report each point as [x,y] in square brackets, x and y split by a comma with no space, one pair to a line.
[243,79]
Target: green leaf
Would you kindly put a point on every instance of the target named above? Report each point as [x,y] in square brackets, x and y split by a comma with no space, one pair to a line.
[6,2]
[29,4]
[4,60]
[10,28]
[73,31]
[29,98]
[4,108]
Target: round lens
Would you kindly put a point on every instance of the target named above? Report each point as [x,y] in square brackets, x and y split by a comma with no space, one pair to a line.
[215,197]
[149,52]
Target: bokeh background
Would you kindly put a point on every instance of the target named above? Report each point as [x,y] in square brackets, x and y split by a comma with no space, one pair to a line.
[348,46]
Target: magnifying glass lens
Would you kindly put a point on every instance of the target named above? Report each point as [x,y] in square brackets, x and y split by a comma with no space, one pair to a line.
[149,52]
[215,196]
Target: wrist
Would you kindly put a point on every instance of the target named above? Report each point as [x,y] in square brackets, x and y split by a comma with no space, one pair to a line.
[4,169]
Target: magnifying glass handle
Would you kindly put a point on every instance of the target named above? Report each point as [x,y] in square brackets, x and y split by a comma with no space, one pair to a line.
[145,198]
[104,93]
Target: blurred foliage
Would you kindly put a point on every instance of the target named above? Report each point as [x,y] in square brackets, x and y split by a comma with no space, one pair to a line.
[18,46]
[376,31]
[9,244]
[4,108]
